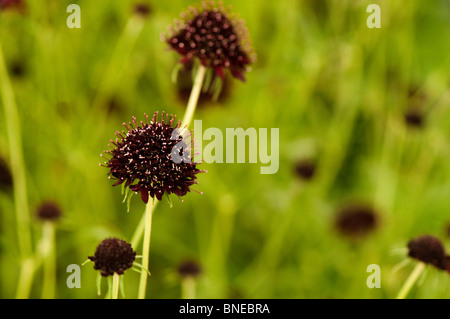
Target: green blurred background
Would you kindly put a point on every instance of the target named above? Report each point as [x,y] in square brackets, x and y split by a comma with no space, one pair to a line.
[337,90]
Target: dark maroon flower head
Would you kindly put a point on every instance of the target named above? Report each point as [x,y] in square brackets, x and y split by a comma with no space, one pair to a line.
[414,118]
[48,210]
[6,180]
[218,39]
[152,158]
[356,220]
[189,268]
[428,249]
[142,9]
[113,256]
[305,169]
[12,4]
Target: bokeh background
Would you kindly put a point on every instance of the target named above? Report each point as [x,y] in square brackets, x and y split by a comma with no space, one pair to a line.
[363,112]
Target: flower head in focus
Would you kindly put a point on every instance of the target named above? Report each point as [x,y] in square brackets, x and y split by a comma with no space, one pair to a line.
[113,255]
[214,36]
[152,158]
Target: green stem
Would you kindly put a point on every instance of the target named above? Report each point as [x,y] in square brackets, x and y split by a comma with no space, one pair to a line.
[49,265]
[12,121]
[146,248]
[27,270]
[115,286]
[137,236]
[195,94]
[188,288]
[411,280]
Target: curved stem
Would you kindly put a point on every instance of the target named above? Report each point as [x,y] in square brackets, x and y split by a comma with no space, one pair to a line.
[115,286]
[411,280]
[195,94]
[146,248]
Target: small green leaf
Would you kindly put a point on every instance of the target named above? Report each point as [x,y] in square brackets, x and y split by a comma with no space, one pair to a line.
[129,202]
[99,284]
[176,70]
[135,264]
[169,200]
[208,80]
[217,88]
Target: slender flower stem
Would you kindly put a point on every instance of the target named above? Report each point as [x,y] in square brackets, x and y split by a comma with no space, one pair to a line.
[146,248]
[411,280]
[27,271]
[12,122]
[188,288]
[195,94]
[139,231]
[115,286]
[49,263]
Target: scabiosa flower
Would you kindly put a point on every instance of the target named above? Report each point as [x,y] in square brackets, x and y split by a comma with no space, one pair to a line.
[414,118]
[189,268]
[305,169]
[142,9]
[12,4]
[48,210]
[113,255]
[218,39]
[143,158]
[356,220]
[429,250]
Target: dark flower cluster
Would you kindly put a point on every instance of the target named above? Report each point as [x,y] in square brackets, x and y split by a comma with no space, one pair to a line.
[48,210]
[356,220]
[113,256]
[305,169]
[216,39]
[189,268]
[430,250]
[143,158]
[12,4]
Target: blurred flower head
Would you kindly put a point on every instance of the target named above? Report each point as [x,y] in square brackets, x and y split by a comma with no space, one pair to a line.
[428,249]
[113,255]
[217,38]
[414,118]
[142,9]
[356,220]
[189,268]
[143,154]
[48,211]
[305,169]
[18,5]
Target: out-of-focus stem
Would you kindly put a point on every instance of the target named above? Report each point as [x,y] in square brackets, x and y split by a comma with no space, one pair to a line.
[411,280]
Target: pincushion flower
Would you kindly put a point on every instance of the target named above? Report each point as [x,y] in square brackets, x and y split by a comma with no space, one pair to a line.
[113,255]
[215,37]
[356,220]
[143,158]
[428,249]
[49,210]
